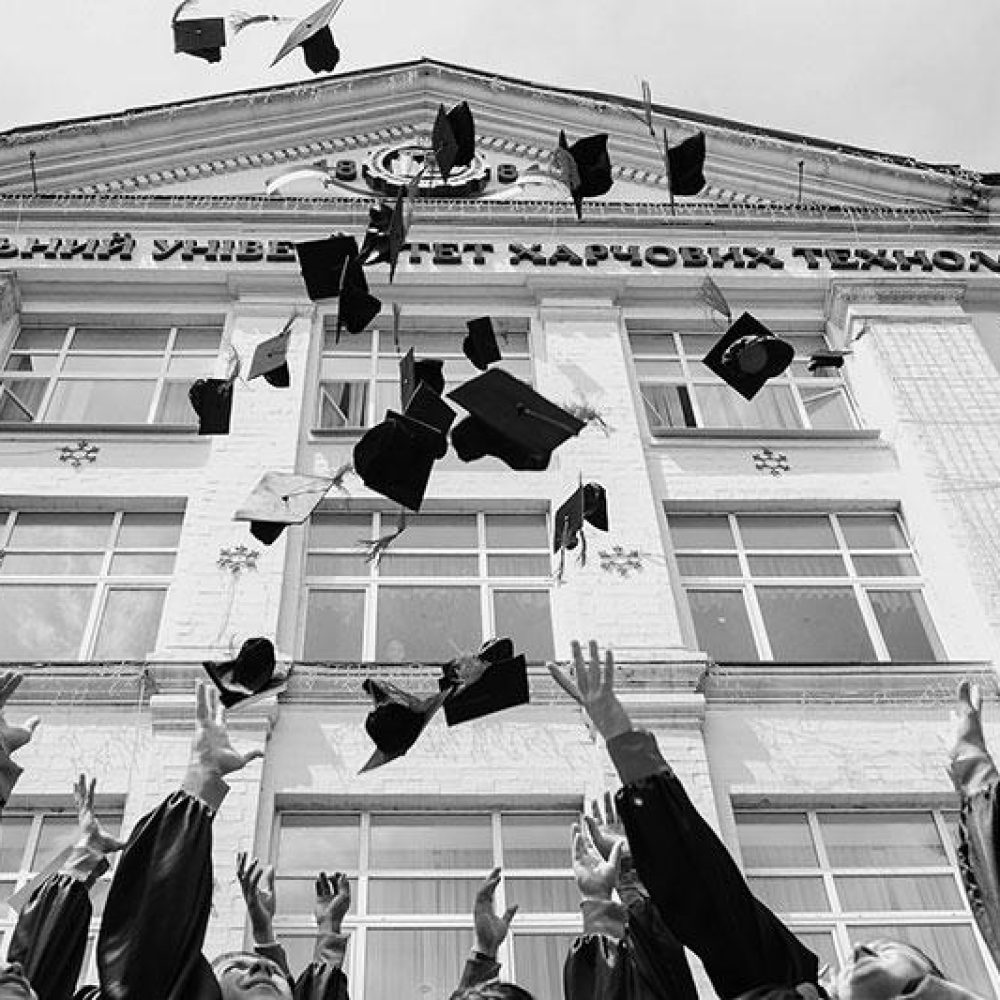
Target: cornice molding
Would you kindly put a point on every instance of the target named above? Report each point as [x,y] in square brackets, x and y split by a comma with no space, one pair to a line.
[882,296]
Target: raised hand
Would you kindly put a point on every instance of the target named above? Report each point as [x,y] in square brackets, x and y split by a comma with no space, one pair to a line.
[13,737]
[595,875]
[606,829]
[594,690]
[210,748]
[333,900]
[491,928]
[257,883]
[968,720]
[92,836]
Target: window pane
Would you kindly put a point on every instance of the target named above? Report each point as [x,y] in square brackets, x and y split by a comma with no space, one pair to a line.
[701,531]
[40,338]
[428,841]
[538,963]
[174,406]
[140,530]
[905,624]
[423,895]
[709,566]
[60,531]
[815,625]
[516,531]
[424,343]
[697,345]
[13,842]
[414,963]
[394,564]
[336,565]
[30,363]
[57,832]
[519,566]
[797,566]
[190,367]
[722,625]
[88,338]
[113,364]
[314,842]
[343,404]
[786,531]
[354,344]
[543,895]
[775,840]
[827,407]
[79,401]
[198,338]
[537,841]
[130,623]
[667,405]
[21,399]
[339,531]
[298,895]
[901,565]
[440,531]
[43,622]
[335,623]
[773,407]
[50,564]
[790,894]
[525,614]
[652,343]
[881,840]
[899,892]
[427,623]
[872,531]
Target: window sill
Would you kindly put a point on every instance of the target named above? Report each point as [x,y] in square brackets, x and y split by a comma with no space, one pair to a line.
[90,431]
[337,432]
[763,433]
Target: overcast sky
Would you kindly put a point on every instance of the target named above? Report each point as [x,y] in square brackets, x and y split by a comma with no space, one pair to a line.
[915,77]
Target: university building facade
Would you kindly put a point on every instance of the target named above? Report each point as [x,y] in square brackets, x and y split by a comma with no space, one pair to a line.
[792,586]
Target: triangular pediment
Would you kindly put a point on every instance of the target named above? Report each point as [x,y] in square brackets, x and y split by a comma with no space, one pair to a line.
[353,135]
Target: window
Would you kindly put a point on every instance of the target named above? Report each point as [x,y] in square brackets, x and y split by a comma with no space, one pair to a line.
[845,877]
[679,391]
[31,838]
[806,588]
[414,878]
[111,371]
[446,583]
[83,585]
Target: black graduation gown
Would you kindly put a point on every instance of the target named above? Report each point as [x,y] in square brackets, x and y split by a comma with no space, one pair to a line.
[696,886]
[324,978]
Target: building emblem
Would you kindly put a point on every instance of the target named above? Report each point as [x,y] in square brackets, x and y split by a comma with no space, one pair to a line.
[390,168]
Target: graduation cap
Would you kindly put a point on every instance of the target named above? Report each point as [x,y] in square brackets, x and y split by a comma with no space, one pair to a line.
[453,138]
[280,499]
[249,677]
[589,503]
[489,682]
[480,343]
[212,400]
[429,371]
[314,35]
[509,420]
[386,234]
[270,358]
[747,355]
[356,307]
[685,164]
[395,457]
[397,720]
[204,37]
[826,358]
[322,263]
[584,167]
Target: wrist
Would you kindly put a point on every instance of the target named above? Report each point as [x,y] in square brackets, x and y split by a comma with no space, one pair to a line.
[205,783]
[329,925]
[85,864]
[485,949]
[263,931]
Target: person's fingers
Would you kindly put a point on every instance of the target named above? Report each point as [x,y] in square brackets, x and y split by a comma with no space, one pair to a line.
[251,755]
[115,844]
[588,840]
[218,709]
[201,702]
[269,879]
[91,792]
[10,680]
[594,667]
[976,698]
[345,887]
[241,861]
[320,880]
[32,724]
[610,813]
[508,914]
[255,874]
[616,856]
[579,849]
[486,890]
[608,680]
[579,669]
[592,828]
[564,682]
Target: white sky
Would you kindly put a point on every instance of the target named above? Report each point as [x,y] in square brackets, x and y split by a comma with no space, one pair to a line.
[915,77]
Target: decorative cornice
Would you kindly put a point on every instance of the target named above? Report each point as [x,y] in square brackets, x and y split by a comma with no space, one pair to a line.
[890,293]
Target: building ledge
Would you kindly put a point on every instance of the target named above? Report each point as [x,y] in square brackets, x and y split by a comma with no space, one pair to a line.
[90,431]
[671,435]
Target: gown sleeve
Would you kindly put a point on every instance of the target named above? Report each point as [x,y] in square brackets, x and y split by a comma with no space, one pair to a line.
[694,882]
[324,979]
[9,773]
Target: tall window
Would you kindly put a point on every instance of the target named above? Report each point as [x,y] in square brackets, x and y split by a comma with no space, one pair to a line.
[77,585]
[679,391]
[414,878]
[134,370]
[842,877]
[447,582]
[31,838]
[809,588]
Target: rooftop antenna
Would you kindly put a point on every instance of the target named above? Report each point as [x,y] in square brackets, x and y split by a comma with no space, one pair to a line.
[34,176]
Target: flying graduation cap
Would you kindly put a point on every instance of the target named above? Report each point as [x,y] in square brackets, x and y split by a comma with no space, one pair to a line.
[589,503]
[686,164]
[212,400]
[747,355]
[453,138]
[203,37]
[397,720]
[270,358]
[584,167]
[322,263]
[386,234]
[356,307]
[313,34]
[280,499]
[412,373]
[509,420]
[489,682]
[249,676]
[480,343]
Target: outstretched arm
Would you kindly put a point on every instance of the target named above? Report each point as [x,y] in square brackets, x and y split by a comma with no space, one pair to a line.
[491,929]
[324,979]
[12,738]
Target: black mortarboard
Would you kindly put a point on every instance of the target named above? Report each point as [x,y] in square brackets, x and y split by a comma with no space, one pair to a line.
[509,420]
[412,372]
[686,162]
[357,307]
[314,35]
[322,263]
[397,720]
[249,676]
[480,343]
[386,234]
[585,168]
[270,359]
[212,399]
[204,37]
[826,358]
[588,503]
[489,682]
[280,499]
[747,355]
[453,138]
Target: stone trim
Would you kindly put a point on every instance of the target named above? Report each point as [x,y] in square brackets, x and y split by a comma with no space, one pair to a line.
[891,292]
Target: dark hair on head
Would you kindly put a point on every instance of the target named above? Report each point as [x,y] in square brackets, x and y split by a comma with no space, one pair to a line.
[935,969]
[493,990]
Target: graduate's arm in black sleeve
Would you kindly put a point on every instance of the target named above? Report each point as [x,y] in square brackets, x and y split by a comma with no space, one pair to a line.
[490,931]
[324,978]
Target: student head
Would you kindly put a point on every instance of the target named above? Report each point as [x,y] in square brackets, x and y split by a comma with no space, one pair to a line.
[13,985]
[244,975]
[493,990]
[884,969]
